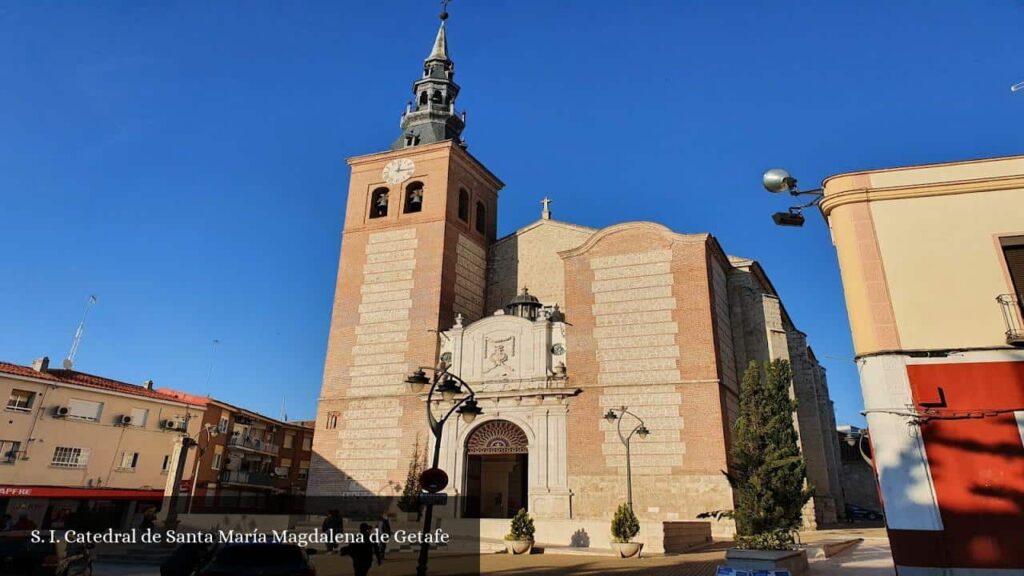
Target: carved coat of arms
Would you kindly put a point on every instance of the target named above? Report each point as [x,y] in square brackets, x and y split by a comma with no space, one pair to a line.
[498,355]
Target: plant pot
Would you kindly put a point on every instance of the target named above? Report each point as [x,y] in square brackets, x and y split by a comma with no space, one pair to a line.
[628,549]
[793,560]
[518,546]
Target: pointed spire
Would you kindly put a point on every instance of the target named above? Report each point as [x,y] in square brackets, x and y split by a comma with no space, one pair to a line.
[432,117]
[440,51]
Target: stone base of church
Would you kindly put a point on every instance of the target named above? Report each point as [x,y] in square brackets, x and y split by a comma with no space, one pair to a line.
[582,534]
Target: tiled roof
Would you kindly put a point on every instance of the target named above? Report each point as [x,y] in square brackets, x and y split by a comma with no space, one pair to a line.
[90,381]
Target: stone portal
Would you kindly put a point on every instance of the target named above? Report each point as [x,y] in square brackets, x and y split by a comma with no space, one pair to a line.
[496,470]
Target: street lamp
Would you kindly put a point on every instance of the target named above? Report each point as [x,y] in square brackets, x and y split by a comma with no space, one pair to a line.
[179,471]
[777,180]
[641,430]
[449,386]
[211,433]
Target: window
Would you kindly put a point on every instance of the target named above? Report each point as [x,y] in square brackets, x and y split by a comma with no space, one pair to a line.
[20,400]
[303,470]
[379,203]
[285,468]
[68,457]
[218,456]
[129,460]
[9,451]
[481,218]
[413,197]
[222,426]
[84,409]
[332,420]
[166,464]
[423,98]
[307,442]
[139,417]
[463,205]
[289,439]
[1013,251]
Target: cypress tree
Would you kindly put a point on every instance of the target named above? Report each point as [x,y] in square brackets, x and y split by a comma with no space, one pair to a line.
[768,472]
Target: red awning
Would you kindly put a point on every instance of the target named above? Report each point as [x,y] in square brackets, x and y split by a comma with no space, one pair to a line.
[83,493]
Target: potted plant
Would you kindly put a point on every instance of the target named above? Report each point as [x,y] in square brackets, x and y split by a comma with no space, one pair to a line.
[625,527]
[769,475]
[519,540]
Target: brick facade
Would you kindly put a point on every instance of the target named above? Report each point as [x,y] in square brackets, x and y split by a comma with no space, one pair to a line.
[660,322]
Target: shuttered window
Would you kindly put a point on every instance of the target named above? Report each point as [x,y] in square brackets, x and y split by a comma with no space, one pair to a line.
[1015,263]
[84,409]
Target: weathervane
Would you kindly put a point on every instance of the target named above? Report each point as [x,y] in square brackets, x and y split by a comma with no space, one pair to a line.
[444,9]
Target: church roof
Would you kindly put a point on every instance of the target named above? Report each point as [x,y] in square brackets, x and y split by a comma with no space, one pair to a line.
[545,222]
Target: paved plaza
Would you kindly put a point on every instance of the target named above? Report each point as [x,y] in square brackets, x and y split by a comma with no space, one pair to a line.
[871,558]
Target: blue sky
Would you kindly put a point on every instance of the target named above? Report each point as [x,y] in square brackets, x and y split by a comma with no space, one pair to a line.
[185,160]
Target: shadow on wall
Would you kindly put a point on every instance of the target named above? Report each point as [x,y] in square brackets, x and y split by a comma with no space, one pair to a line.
[977,471]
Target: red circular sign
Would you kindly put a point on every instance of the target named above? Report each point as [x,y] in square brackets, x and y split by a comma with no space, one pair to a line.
[433,480]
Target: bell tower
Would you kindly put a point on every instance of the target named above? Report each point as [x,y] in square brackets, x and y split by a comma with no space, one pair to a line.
[420,218]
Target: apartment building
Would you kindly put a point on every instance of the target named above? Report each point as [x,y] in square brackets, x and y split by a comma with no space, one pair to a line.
[247,460]
[932,260]
[76,448]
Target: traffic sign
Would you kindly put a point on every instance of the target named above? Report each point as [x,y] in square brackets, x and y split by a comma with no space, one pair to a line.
[435,499]
[433,480]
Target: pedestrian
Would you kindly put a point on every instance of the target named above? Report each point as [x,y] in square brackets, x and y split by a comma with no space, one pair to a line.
[148,520]
[333,524]
[24,523]
[361,551]
[383,536]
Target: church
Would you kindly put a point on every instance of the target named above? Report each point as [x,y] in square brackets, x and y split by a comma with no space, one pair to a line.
[553,326]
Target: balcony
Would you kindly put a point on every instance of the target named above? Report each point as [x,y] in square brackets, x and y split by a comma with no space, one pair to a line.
[247,478]
[1012,314]
[253,444]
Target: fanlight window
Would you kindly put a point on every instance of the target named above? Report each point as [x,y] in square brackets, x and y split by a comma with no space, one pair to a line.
[414,197]
[497,437]
[379,203]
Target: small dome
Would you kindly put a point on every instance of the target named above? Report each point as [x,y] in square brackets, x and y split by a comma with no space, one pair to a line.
[524,297]
[524,305]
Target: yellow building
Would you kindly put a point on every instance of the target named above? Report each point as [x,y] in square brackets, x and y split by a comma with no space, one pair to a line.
[77,444]
[932,261]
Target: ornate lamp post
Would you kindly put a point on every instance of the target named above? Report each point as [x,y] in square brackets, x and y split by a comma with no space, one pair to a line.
[449,387]
[640,430]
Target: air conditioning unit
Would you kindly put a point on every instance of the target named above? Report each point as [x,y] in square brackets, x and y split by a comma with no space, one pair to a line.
[61,411]
[174,425]
[281,471]
[124,420]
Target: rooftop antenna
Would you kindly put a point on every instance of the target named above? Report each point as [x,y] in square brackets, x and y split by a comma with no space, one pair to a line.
[69,362]
[213,356]
[284,410]
[1017,86]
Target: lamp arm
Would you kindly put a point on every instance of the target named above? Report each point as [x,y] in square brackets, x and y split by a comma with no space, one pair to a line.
[435,424]
[816,192]
[642,423]
[637,427]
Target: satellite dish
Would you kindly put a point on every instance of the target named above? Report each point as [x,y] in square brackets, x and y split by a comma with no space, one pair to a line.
[1017,86]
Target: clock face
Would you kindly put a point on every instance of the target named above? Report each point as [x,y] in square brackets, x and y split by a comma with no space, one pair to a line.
[398,170]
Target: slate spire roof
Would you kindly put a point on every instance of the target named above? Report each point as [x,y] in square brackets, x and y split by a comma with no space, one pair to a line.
[431,117]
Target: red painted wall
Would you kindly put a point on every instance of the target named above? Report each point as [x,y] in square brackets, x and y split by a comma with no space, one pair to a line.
[977,467]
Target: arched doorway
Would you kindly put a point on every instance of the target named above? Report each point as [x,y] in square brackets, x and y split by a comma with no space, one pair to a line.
[496,470]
